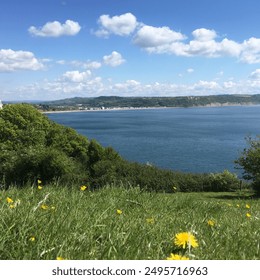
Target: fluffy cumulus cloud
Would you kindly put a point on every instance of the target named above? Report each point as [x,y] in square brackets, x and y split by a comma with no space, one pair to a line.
[152,37]
[11,61]
[204,34]
[56,29]
[122,25]
[76,76]
[204,43]
[251,51]
[114,59]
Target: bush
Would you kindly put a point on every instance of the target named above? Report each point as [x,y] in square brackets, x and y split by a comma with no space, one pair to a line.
[223,182]
[154,179]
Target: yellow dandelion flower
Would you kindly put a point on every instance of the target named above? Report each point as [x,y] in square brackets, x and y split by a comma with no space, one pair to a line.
[32,238]
[44,206]
[248,215]
[9,200]
[12,206]
[119,212]
[176,257]
[39,187]
[83,188]
[39,181]
[185,239]
[150,220]
[247,206]
[211,223]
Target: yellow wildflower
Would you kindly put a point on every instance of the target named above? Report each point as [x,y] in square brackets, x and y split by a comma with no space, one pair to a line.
[248,215]
[32,238]
[9,200]
[150,220]
[39,187]
[238,205]
[12,206]
[83,188]
[211,223]
[185,239]
[176,257]
[39,181]
[119,212]
[44,206]
[247,206]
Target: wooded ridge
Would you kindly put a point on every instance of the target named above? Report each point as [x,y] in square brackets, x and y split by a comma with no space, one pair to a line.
[147,102]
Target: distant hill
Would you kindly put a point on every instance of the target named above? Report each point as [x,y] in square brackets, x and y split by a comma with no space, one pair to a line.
[146,102]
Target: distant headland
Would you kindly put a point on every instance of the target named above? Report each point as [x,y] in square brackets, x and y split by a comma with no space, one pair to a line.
[128,103]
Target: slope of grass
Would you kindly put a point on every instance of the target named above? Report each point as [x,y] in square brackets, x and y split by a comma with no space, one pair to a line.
[83,224]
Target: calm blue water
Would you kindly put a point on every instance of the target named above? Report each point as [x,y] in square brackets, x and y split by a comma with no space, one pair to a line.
[185,139]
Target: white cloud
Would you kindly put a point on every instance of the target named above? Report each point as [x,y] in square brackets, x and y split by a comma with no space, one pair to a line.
[205,85]
[114,59]
[150,37]
[251,51]
[255,75]
[84,84]
[229,85]
[11,60]
[203,34]
[56,29]
[76,76]
[92,65]
[122,25]
[161,40]
[190,70]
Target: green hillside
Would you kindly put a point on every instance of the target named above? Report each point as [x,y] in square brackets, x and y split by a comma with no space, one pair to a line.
[140,102]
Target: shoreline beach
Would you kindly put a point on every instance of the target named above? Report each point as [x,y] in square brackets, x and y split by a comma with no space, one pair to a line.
[213,105]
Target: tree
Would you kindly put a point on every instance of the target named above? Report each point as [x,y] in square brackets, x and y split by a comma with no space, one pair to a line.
[32,146]
[250,162]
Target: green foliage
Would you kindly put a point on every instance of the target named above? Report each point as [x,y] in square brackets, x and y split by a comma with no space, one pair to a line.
[250,162]
[223,182]
[154,179]
[32,146]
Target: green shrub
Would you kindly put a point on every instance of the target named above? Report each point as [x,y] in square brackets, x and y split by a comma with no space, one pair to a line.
[249,161]
[222,182]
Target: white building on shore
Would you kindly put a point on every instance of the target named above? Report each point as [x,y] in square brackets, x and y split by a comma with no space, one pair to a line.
[1,104]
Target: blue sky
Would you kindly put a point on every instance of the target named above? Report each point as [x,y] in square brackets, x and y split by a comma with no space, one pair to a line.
[55,49]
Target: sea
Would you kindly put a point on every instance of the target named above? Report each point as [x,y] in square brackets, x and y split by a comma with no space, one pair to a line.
[197,140]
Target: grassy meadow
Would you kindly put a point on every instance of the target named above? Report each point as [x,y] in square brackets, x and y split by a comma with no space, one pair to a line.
[61,222]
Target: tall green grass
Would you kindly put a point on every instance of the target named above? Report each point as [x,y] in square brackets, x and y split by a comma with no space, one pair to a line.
[85,224]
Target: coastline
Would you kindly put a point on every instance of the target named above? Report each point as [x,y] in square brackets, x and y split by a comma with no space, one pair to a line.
[212,105]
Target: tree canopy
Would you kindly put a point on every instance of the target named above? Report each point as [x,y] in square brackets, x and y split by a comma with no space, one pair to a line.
[32,146]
